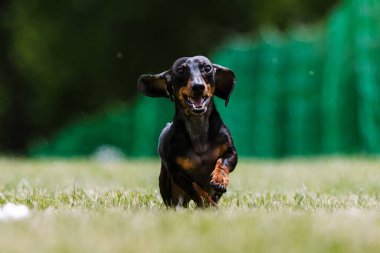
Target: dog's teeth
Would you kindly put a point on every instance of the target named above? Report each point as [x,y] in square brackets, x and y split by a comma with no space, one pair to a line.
[197,103]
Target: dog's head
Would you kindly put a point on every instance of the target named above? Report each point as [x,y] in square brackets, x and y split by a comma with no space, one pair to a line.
[192,81]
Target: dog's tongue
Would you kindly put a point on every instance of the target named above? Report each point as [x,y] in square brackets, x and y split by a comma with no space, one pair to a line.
[198,102]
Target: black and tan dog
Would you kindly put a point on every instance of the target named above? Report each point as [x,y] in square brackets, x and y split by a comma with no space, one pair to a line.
[196,149]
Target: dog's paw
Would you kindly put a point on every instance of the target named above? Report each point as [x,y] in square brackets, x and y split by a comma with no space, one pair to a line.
[204,198]
[219,177]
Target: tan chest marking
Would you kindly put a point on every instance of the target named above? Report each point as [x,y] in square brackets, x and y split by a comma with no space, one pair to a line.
[185,163]
[194,161]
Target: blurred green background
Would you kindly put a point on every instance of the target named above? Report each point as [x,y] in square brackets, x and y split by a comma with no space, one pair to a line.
[308,74]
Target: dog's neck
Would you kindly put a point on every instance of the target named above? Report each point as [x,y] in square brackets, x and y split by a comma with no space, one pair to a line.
[197,127]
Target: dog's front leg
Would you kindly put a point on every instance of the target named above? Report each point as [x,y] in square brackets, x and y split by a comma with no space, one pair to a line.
[219,176]
[193,190]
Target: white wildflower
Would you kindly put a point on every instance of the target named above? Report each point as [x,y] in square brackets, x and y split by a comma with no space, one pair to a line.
[14,212]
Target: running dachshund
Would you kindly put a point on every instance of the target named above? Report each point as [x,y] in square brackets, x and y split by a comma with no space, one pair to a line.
[197,151]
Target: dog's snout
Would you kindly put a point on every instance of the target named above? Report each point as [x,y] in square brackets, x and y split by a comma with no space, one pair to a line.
[198,88]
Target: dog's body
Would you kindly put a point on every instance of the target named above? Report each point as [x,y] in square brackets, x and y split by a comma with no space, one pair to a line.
[197,152]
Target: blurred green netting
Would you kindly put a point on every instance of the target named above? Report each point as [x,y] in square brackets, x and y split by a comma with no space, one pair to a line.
[339,96]
[150,117]
[85,137]
[366,18]
[313,90]
[133,130]
[302,118]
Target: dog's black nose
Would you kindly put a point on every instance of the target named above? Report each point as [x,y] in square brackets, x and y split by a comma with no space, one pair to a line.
[198,88]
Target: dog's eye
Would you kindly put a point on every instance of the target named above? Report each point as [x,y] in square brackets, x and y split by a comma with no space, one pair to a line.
[180,70]
[207,68]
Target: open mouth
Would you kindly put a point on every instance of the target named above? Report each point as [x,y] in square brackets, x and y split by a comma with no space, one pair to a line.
[197,104]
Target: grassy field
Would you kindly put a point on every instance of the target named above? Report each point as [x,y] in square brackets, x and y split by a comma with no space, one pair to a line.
[297,205]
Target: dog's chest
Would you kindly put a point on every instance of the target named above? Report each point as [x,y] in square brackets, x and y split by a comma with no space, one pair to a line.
[200,165]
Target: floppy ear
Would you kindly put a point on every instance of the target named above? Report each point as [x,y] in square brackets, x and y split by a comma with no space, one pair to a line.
[155,85]
[224,82]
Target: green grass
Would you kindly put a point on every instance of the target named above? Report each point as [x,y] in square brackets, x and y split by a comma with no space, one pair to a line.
[297,205]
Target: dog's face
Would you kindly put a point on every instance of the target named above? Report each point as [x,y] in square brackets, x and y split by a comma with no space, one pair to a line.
[192,81]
